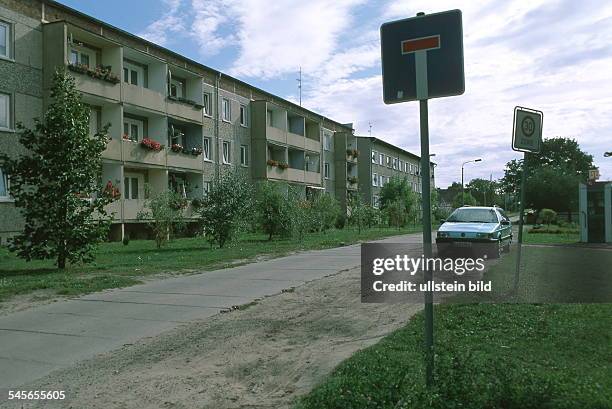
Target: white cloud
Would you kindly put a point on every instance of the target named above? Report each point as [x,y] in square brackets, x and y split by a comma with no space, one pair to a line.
[553,56]
[170,23]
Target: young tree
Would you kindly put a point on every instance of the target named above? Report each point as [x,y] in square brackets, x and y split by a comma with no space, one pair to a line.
[226,208]
[325,210]
[397,193]
[358,211]
[465,199]
[57,184]
[164,214]
[273,209]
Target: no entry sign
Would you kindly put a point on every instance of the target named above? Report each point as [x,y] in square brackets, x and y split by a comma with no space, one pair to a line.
[422,57]
[527,133]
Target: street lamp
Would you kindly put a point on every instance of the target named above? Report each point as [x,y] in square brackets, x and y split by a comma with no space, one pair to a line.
[462,187]
[607,154]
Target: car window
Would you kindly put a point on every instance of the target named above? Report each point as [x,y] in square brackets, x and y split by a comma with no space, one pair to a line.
[503,214]
[473,216]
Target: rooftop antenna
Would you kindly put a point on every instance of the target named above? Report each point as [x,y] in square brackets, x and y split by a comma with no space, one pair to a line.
[370,128]
[299,80]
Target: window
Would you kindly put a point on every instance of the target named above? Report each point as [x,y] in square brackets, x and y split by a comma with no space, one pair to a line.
[374,154]
[243,115]
[206,189]
[5,111]
[226,110]
[133,129]
[374,179]
[4,187]
[131,187]
[82,55]
[327,142]
[177,87]
[388,161]
[5,39]
[401,165]
[326,170]
[206,149]
[207,102]
[133,73]
[244,155]
[381,159]
[94,120]
[395,160]
[227,158]
[375,201]
[268,117]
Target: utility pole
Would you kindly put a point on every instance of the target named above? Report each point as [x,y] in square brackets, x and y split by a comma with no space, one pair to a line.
[370,128]
[299,80]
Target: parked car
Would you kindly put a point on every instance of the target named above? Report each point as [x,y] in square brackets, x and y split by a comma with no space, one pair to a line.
[481,230]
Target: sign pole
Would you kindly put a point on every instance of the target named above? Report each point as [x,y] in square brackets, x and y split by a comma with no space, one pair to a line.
[426,200]
[521,221]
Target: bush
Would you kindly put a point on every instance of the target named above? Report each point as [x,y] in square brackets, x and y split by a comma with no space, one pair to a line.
[226,208]
[548,216]
[340,221]
[325,210]
[273,209]
[162,215]
[548,230]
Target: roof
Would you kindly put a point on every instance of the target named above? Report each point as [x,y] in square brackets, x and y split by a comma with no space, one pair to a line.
[390,145]
[175,54]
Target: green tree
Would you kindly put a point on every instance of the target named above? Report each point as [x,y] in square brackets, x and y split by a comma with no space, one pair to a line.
[164,214]
[396,213]
[325,210]
[552,188]
[398,190]
[358,211]
[57,183]
[226,209]
[563,154]
[273,209]
[466,199]
[548,216]
[484,191]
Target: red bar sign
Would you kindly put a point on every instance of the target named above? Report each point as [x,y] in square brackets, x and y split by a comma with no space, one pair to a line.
[418,44]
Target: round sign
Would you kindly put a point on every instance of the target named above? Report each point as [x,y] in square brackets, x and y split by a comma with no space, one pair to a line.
[528,126]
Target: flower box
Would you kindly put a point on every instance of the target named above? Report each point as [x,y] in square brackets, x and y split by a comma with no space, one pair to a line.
[176,147]
[100,72]
[151,145]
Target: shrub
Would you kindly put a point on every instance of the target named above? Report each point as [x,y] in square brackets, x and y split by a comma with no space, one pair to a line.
[325,210]
[340,221]
[273,210]
[162,214]
[548,216]
[226,208]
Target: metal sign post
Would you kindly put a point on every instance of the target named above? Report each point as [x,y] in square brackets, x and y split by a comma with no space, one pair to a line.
[526,137]
[422,58]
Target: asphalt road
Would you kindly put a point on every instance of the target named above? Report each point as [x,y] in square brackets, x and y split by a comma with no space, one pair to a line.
[40,340]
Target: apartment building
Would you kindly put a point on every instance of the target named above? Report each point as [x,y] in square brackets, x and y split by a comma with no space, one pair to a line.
[380,162]
[174,123]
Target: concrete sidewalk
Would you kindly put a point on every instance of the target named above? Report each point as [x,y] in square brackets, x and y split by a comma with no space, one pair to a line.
[37,341]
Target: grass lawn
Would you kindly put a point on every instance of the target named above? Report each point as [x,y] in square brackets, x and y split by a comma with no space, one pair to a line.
[566,236]
[117,265]
[496,355]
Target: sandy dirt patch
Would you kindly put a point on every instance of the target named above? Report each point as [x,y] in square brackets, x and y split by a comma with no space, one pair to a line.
[263,356]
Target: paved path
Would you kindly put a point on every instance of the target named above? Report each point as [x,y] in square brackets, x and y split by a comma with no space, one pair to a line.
[37,341]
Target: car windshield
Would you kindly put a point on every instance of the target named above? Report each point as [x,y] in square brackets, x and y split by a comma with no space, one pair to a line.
[473,216]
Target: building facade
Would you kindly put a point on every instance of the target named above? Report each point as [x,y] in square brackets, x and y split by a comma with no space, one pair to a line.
[174,123]
[381,161]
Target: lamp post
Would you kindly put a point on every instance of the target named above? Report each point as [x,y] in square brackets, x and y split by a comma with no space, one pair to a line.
[607,154]
[462,187]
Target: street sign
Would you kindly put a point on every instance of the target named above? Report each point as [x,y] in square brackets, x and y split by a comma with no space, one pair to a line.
[527,133]
[422,57]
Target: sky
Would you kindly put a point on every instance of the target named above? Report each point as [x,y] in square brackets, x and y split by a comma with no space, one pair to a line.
[554,56]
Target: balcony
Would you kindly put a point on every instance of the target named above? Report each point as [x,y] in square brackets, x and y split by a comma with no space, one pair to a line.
[185,95]
[94,62]
[312,178]
[132,207]
[275,172]
[276,134]
[143,97]
[135,152]
[114,210]
[113,149]
[184,160]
